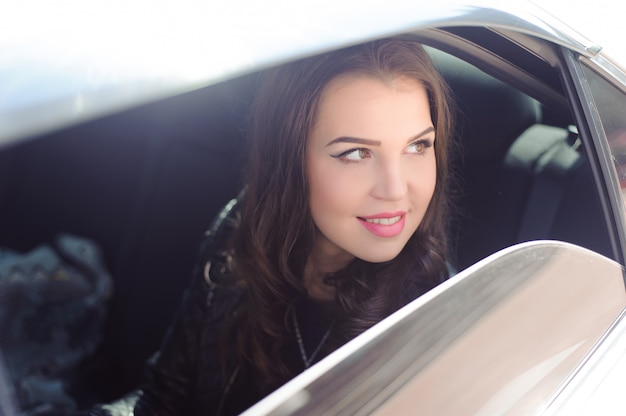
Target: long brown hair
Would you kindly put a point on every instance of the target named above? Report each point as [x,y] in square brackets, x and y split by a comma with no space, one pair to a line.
[276,232]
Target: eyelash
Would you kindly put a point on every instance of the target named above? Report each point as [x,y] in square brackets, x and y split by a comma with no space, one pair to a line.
[426,143]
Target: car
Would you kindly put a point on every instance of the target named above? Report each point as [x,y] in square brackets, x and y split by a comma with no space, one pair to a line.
[124,128]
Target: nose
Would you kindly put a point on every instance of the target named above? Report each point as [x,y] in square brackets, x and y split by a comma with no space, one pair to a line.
[390,182]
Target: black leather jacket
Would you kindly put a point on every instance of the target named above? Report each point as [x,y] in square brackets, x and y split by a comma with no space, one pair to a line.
[185,376]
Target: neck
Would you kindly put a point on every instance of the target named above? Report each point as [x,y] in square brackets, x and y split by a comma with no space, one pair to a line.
[319,265]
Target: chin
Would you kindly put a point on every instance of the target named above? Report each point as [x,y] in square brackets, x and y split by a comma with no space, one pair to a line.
[379,257]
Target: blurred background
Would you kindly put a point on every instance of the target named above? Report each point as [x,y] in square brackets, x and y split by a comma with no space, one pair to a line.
[602,21]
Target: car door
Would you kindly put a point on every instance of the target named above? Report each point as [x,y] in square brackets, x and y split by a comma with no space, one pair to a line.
[500,337]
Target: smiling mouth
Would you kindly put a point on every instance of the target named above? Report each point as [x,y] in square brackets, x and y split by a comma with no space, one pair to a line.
[382,221]
[384,225]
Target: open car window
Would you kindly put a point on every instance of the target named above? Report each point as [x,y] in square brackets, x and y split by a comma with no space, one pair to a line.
[499,337]
[610,103]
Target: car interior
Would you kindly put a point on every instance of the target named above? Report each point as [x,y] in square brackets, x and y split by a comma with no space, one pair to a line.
[144,184]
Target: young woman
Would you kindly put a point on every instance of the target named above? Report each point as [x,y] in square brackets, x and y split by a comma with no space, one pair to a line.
[342,221]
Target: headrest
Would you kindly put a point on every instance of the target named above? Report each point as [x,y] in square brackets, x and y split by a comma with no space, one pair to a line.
[490,113]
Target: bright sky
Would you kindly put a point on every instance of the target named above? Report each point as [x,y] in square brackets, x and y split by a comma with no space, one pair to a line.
[602,21]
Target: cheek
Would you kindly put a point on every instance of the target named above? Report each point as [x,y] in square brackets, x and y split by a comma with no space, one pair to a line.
[431,180]
[423,182]
[333,190]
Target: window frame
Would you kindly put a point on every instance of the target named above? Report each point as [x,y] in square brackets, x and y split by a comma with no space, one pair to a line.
[596,145]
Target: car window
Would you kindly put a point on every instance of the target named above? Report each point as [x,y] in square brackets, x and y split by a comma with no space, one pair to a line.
[611,105]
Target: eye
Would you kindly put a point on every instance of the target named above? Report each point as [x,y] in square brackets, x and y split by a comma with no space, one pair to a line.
[419,147]
[354,155]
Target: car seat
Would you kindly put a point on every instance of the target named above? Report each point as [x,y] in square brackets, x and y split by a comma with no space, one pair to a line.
[519,179]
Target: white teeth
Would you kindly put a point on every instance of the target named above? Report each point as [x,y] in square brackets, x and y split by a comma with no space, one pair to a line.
[384,221]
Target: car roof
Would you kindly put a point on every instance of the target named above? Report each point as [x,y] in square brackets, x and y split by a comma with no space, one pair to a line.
[61,64]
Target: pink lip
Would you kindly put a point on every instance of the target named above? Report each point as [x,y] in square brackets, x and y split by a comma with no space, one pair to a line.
[384,230]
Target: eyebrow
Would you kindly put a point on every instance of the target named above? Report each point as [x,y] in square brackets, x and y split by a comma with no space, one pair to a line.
[369,142]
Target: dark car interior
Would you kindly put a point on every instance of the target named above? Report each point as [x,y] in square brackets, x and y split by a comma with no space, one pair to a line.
[144,184]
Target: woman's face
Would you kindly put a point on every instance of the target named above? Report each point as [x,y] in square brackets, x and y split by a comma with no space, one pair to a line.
[371,167]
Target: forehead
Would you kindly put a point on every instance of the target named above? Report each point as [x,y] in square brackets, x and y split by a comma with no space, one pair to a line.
[357,92]
[368,104]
